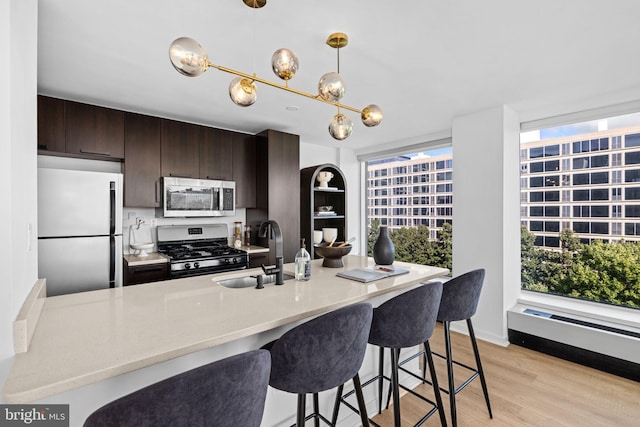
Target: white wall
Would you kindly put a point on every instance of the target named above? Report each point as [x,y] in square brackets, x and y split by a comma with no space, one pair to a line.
[18,127]
[486,215]
[313,154]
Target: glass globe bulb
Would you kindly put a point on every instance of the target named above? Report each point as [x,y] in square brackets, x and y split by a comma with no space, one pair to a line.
[284,63]
[371,115]
[340,127]
[188,57]
[331,87]
[243,91]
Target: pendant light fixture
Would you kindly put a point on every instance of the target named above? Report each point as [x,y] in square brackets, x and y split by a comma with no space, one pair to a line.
[190,59]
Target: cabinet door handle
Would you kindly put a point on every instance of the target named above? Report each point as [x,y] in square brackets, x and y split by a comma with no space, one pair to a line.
[99,153]
[42,147]
[174,175]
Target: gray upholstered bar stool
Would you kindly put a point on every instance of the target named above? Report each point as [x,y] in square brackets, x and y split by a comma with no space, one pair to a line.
[320,355]
[406,320]
[460,297]
[227,393]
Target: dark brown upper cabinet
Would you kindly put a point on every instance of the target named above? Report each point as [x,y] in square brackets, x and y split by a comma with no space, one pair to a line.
[180,149]
[244,169]
[94,131]
[51,124]
[141,161]
[151,148]
[216,154]
[278,190]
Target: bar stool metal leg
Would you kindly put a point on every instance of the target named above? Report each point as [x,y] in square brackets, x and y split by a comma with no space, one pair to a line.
[336,405]
[316,405]
[361,405]
[395,387]
[451,385]
[302,403]
[380,383]
[476,353]
[434,381]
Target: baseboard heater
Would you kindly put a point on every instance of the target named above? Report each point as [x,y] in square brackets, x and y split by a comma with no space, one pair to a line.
[582,323]
[564,337]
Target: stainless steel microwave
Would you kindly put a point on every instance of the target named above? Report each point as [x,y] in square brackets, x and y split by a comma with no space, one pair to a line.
[187,197]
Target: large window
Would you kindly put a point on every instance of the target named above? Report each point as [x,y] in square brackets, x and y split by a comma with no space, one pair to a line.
[421,232]
[583,239]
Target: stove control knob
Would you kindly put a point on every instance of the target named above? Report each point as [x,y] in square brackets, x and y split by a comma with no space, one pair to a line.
[234,260]
[196,264]
[187,266]
[227,260]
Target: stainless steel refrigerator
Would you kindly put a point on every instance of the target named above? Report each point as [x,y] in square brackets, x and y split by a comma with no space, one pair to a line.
[79,230]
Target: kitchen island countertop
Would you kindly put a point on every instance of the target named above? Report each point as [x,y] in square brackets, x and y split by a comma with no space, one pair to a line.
[88,337]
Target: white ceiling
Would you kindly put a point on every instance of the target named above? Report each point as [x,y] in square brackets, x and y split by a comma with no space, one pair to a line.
[423,62]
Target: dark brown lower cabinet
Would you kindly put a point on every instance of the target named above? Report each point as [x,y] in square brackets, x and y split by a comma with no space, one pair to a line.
[137,274]
[257,259]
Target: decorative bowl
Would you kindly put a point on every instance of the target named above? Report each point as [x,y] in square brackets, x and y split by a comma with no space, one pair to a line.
[332,255]
[325,208]
[142,248]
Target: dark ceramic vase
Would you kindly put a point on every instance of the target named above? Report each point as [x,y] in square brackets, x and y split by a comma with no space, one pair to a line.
[383,251]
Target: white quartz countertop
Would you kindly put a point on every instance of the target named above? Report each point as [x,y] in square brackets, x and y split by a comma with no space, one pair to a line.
[88,337]
[152,258]
[253,249]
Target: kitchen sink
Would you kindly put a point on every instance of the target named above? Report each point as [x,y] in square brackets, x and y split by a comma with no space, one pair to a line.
[250,281]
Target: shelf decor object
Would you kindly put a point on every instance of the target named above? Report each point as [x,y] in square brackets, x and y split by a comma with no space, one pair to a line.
[189,58]
[332,254]
[383,250]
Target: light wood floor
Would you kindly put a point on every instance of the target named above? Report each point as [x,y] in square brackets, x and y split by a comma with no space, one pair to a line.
[527,388]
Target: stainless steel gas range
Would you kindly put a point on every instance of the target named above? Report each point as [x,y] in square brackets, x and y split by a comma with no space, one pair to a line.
[199,249]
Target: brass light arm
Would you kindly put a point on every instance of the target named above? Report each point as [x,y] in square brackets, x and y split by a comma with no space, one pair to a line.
[283,87]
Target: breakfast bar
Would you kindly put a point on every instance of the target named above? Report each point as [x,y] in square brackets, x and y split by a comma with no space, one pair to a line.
[84,339]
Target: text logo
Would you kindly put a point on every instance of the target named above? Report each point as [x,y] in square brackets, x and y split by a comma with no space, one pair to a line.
[34,415]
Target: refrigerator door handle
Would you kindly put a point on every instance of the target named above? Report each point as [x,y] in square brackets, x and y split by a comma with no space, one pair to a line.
[112,262]
[112,207]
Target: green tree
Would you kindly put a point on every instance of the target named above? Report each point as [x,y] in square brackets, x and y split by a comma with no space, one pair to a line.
[444,247]
[412,245]
[372,236]
[530,260]
[603,272]
[608,272]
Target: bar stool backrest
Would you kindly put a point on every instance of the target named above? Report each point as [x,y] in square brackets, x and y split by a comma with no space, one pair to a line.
[227,393]
[460,296]
[322,353]
[407,319]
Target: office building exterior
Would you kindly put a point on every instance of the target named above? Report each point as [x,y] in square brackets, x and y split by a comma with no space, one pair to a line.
[409,192]
[587,183]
